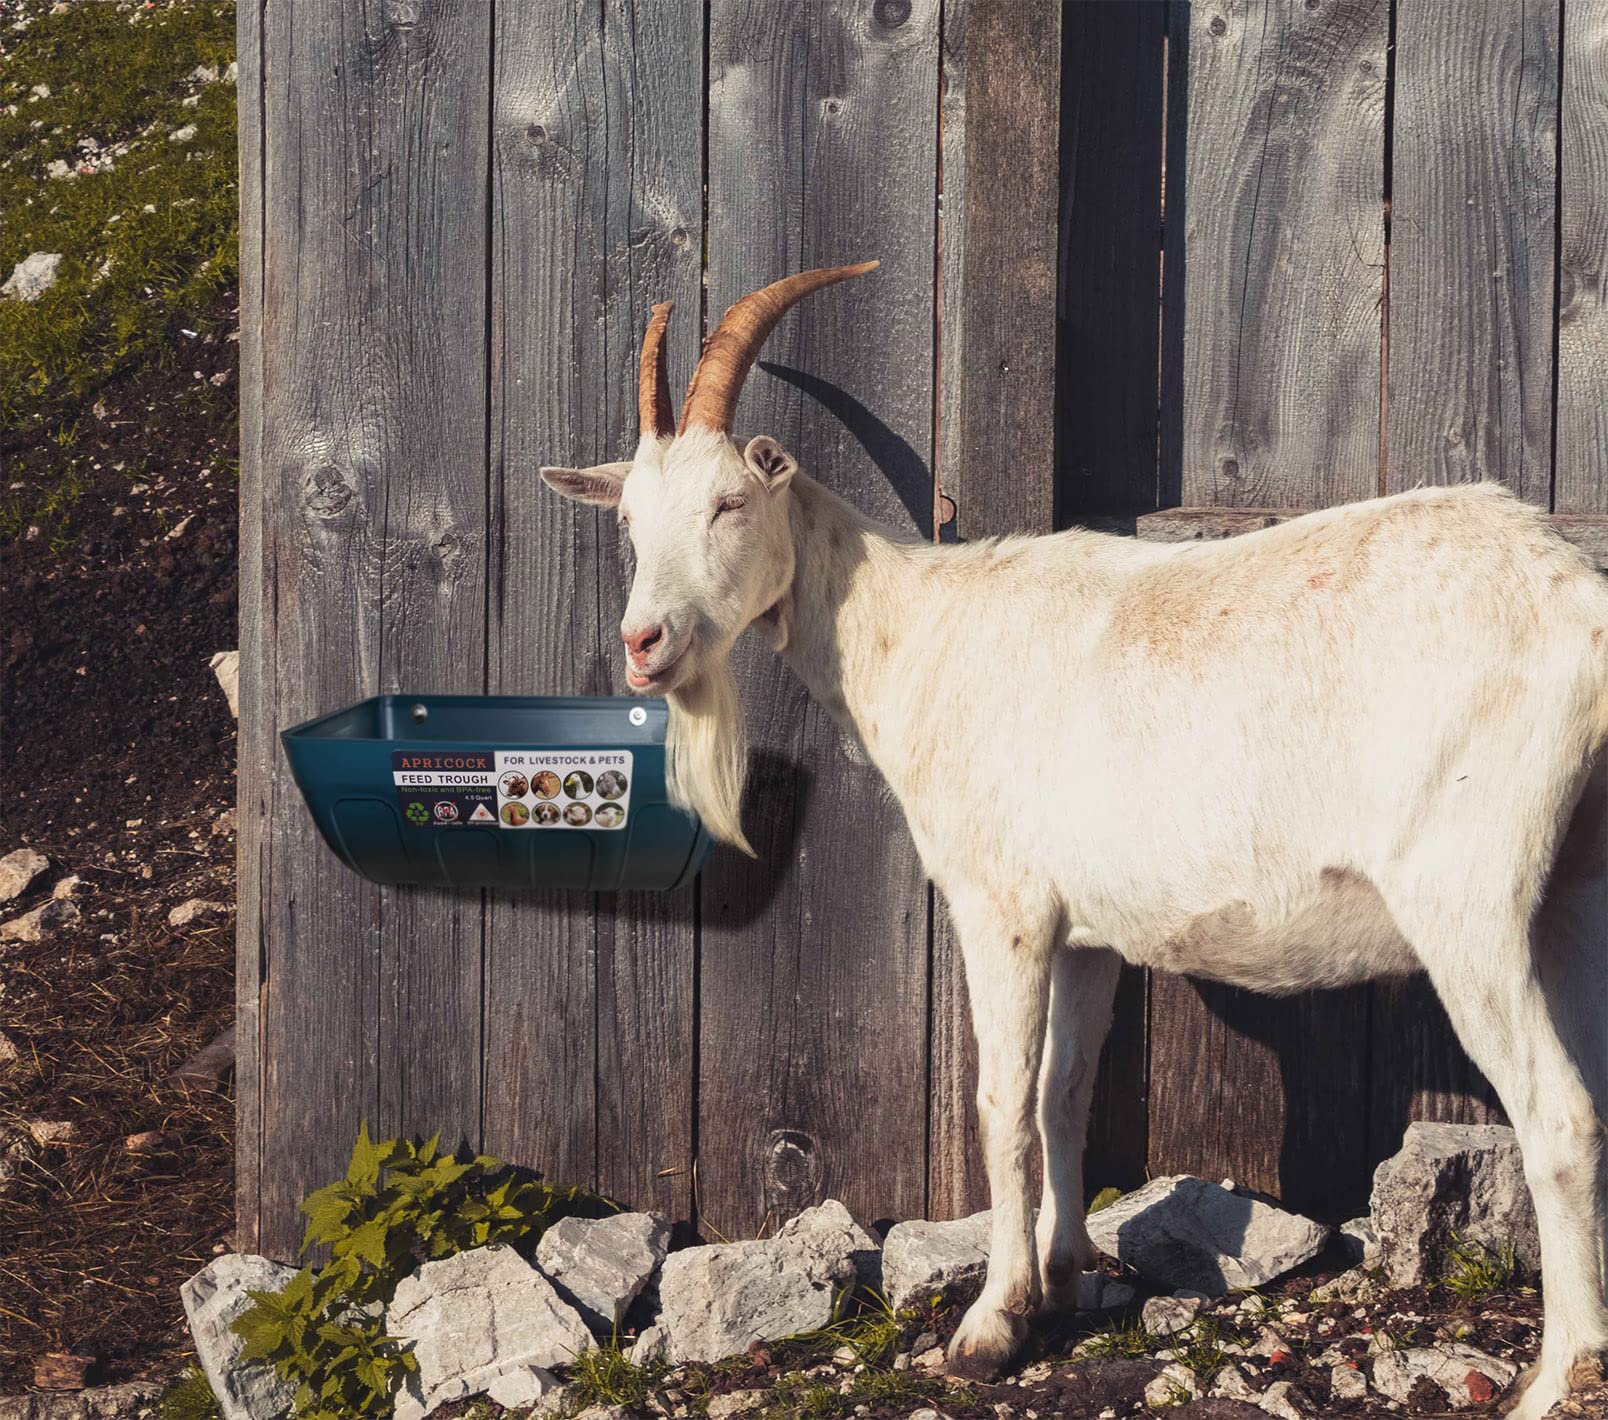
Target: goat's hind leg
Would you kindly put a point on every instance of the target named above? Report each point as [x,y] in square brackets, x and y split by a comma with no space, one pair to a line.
[1083,983]
[1007,977]
[1486,977]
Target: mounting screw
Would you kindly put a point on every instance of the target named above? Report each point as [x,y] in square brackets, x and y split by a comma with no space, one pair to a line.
[421,713]
[638,715]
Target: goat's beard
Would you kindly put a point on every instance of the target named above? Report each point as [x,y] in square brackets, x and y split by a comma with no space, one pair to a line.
[708,753]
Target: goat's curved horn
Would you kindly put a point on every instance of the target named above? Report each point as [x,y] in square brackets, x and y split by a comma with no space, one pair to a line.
[730,352]
[654,410]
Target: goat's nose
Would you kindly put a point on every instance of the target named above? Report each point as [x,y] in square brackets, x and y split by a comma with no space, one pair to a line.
[639,643]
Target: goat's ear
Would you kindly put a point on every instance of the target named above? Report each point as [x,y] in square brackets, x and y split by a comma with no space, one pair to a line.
[599,486]
[769,462]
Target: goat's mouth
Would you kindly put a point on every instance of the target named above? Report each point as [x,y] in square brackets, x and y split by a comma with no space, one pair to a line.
[660,679]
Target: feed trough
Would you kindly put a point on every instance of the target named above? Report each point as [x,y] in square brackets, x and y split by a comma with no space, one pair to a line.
[506,791]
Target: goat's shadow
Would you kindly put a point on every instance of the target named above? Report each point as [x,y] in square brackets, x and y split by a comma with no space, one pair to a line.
[907,472]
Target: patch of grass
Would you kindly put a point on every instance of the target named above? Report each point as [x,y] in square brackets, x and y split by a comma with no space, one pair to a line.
[1476,1272]
[864,1321]
[147,227]
[189,1398]
[1122,1338]
[606,1375]
[1200,1349]
[798,1397]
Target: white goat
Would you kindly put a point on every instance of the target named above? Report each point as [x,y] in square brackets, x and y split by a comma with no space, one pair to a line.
[1338,749]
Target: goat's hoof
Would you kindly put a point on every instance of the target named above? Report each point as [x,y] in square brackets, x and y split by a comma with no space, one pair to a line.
[1541,1387]
[987,1340]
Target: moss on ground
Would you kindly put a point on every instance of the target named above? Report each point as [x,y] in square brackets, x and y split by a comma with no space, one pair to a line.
[146,218]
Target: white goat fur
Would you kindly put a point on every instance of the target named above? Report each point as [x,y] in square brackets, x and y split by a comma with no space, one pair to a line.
[1341,748]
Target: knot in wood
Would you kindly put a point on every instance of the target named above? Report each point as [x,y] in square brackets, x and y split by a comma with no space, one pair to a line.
[327,493]
[792,1168]
[890,14]
[1218,26]
[536,134]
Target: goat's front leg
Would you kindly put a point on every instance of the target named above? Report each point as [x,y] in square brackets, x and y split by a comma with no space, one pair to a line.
[1007,957]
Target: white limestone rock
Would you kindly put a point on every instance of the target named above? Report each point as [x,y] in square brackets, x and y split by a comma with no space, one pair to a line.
[600,1265]
[1450,1366]
[18,869]
[478,1320]
[213,1299]
[716,1301]
[921,1259]
[1184,1232]
[31,277]
[1451,1184]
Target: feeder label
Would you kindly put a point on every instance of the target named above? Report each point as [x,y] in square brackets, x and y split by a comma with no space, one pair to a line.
[562,788]
[445,788]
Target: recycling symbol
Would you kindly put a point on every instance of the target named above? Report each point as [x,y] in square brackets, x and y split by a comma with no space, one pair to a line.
[417,814]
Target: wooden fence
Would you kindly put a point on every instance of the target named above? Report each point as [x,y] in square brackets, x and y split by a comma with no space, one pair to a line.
[1230,256]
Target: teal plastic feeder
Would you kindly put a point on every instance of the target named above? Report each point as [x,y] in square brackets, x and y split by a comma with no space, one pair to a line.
[507,791]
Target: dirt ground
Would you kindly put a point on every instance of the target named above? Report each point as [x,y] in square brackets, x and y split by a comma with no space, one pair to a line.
[116,761]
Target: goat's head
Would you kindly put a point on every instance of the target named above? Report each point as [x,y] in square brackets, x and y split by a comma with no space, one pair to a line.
[707,517]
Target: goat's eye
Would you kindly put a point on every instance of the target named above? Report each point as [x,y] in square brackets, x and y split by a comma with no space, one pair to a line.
[728,505]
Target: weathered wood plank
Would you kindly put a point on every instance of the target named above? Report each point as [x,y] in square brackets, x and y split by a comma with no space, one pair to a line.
[597,213]
[1274,251]
[256,746]
[1419,1071]
[1112,83]
[822,150]
[996,444]
[371,489]
[1471,246]
[1273,1094]
[1581,478]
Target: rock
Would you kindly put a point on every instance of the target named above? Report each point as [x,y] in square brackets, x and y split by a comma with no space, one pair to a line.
[1285,1401]
[224,824]
[10,1051]
[1353,1286]
[600,1265]
[182,135]
[716,1301]
[1163,1316]
[1175,1385]
[110,1402]
[1450,1366]
[50,1133]
[1230,1382]
[735,1402]
[197,909]
[210,1068]
[607,1412]
[475,1319]
[213,1299]
[226,666]
[1359,1242]
[149,1141]
[648,1347]
[1346,1382]
[32,276]
[523,1387]
[63,1370]
[1116,1295]
[922,1260]
[67,887]
[17,1151]
[1465,1180]
[18,869]
[47,917]
[1182,1231]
